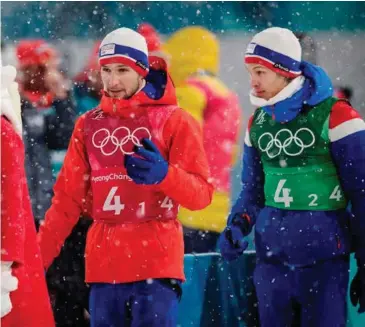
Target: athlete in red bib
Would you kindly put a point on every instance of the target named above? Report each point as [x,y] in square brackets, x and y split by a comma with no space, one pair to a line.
[131,162]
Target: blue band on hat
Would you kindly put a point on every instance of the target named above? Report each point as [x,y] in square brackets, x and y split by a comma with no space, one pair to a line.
[276,57]
[112,49]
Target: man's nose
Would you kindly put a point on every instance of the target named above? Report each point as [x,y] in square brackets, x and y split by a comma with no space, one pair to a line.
[254,82]
[113,81]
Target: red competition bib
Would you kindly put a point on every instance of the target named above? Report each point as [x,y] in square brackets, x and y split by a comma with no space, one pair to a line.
[116,198]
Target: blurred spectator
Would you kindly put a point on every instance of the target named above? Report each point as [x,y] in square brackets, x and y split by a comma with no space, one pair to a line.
[66,276]
[24,295]
[154,43]
[344,92]
[151,36]
[309,53]
[48,117]
[66,280]
[194,65]
[309,49]
[88,84]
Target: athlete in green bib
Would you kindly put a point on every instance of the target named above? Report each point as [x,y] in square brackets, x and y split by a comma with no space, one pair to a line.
[299,171]
[303,188]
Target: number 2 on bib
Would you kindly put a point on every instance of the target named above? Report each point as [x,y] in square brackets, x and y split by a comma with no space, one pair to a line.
[282,194]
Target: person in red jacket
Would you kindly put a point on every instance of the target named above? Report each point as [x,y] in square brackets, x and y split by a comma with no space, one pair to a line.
[131,163]
[22,274]
[151,36]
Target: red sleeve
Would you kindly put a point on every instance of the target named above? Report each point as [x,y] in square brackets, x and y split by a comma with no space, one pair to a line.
[250,121]
[12,177]
[187,178]
[70,195]
[341,113]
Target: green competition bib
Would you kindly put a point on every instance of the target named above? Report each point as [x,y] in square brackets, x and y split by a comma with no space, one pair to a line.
[299,171]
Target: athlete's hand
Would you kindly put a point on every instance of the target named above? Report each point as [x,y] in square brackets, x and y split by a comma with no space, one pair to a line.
[232,241]
[149,167]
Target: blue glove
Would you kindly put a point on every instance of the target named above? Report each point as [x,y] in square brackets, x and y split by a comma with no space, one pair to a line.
[231,242]
[357,290]
[151,168]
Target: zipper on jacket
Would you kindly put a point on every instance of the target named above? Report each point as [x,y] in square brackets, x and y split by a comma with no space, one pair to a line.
[338,242]
[273,112]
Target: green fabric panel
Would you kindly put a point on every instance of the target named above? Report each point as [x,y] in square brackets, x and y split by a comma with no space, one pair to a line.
[299,171]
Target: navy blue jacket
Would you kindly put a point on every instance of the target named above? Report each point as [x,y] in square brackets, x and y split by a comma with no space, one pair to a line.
[301,238]
[44,131]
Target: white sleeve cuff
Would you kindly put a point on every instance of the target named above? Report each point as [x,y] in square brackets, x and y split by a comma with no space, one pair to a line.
[9,283]
[6,305]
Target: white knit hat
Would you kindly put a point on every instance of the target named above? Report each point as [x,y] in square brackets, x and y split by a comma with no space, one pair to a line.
[127,47]
[277,49]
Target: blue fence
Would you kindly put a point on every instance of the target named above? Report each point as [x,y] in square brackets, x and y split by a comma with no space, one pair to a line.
[217,293]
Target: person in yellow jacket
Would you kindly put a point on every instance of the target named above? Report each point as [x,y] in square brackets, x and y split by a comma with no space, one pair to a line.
[194,64]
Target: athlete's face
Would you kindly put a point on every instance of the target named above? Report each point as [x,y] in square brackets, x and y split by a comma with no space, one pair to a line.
[120,81]
[265,83]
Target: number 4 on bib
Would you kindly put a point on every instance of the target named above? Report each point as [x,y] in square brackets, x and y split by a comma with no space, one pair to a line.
[117,207]
[336,194]
[167,203]
[112,203]
[282,194]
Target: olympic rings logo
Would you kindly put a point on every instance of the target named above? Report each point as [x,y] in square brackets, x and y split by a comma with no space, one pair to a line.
[275,147]
[111,142]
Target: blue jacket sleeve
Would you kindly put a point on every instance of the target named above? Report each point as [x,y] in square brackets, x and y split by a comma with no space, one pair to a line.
[348,153]
[251,199]
[60,124]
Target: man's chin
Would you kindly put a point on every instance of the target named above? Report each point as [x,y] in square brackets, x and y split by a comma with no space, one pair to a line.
[259,94]
[117,95]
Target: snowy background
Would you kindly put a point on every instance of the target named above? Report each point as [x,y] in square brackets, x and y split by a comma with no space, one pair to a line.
[337,28]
